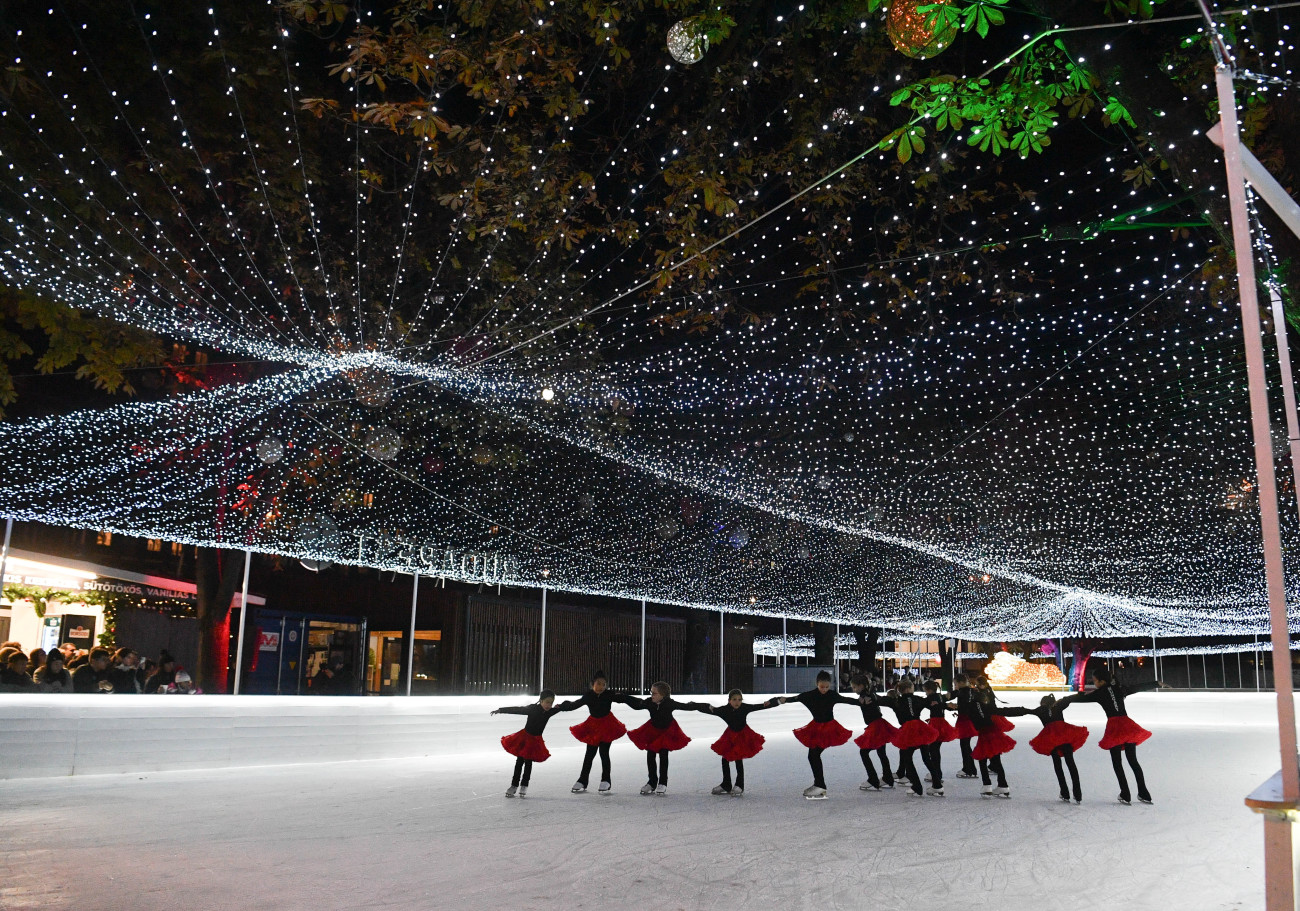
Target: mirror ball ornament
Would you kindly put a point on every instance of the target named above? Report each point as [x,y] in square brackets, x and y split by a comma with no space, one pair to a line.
[270,450]
[687,42]
[383,443]
[373,388]
[318,533]
[911,35]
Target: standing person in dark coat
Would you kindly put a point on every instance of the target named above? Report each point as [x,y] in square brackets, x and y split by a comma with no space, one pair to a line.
[93,676]
[52,677]
[164,676]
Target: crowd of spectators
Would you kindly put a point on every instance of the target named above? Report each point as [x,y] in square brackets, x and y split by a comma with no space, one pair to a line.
[68,669]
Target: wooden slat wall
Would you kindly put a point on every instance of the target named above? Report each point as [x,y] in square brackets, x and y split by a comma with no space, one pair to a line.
[502,639]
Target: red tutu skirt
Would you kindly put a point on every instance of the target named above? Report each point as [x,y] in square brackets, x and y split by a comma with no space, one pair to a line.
[526,746]
[947,733]
[965,728]
[877,734]
[914,734]
[1122,730]
[822,734]
[992,743]
[1003,724]
[735,745]
[653,739]
[599,730]
[1058,734]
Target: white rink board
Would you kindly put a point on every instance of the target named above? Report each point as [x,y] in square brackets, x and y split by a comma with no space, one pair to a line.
[436,832]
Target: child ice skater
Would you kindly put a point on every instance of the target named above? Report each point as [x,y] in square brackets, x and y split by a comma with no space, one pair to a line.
[527,745]
[913,734]
[1058,739]
[991,741]
[660,735]
[879,732]
[599,730]
[960,698]
[823,731]
[738,742]
[1123,734]
[944,732]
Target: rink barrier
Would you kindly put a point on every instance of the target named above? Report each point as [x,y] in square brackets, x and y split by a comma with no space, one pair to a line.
[54,736]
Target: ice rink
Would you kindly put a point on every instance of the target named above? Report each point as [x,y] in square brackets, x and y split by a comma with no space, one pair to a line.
[438,832]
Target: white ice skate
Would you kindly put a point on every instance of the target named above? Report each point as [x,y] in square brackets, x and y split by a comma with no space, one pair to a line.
[578,788]
[1145,800]
[987,791]
[737,792]
[966,775]
[720,791]
[1124,800]
[868,786]
[510,791]
[911,793]
[523,790]
[935,792]
[888,785]
[812,792]
[605,788]
[661,791]
[1002,792]
[647,788]
[1065,798]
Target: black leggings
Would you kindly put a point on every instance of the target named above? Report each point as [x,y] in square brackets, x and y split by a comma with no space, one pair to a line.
[871,769]
[907,762]
[935,763]
[996,765]
[524,768]
[815,761]
[1117,755]
[592,748]
[1065,753]
[659,776]
[726,775]
[967,759]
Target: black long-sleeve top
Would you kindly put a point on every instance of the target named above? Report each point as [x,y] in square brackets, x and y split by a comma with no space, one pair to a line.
[906,708]
[661,713]
[982,712]
[870,708]
[1110,697]
[538,716]
[822,705]
[736,717]
[598,703]
[963,697]
[935,704]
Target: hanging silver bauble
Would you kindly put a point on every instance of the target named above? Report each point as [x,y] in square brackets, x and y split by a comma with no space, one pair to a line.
[270,450]
[687,42]
[738,538]
[318,534]
[666,528]
[383,443]
[372,388]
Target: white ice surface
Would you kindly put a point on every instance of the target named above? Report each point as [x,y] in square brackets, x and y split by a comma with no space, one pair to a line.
[438,833]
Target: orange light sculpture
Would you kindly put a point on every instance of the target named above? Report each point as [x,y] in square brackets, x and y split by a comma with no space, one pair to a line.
[1006,670]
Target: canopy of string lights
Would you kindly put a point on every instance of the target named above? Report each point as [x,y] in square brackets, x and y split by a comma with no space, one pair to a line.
[522,297]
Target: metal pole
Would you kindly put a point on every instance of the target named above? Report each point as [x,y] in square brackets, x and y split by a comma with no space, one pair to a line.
[1255,660]
[722,651]
[1279,874]
[1155,659]
[4,553]
[1241,684]
[541,663]
[1205,671]
[785,677]
[643,646]
[243,619]
[835,652]
[410,641]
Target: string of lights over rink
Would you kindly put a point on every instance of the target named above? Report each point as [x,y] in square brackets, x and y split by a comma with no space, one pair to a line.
[1082,466]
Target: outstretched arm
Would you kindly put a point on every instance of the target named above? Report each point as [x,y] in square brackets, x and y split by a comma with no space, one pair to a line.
[512,710]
